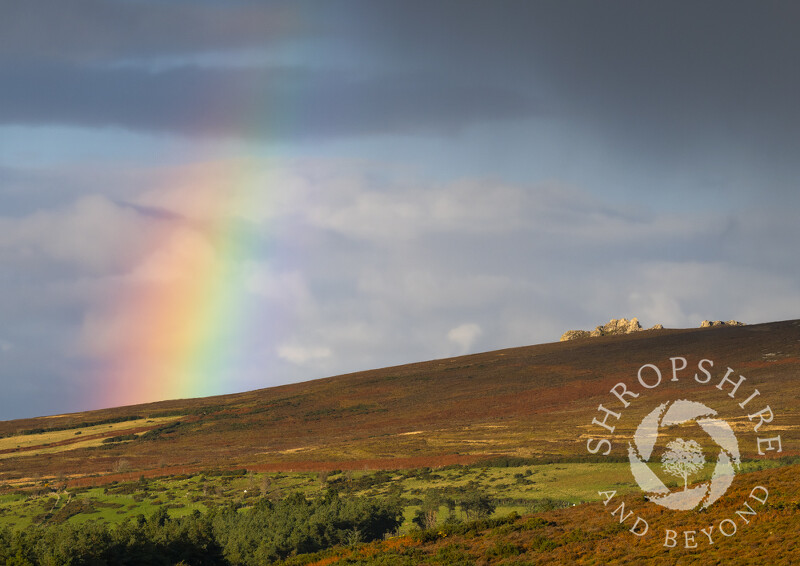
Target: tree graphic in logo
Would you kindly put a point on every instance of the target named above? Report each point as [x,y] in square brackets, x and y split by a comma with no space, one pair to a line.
[682,459]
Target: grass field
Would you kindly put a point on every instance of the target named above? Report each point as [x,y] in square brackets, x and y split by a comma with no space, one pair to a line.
[522,489]
[54,442]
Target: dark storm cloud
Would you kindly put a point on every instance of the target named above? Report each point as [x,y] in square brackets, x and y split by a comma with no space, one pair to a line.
[101,30]
[249,101]
[672,76]
[668,73]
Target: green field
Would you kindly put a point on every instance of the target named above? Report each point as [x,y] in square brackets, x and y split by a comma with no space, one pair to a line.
[524,489]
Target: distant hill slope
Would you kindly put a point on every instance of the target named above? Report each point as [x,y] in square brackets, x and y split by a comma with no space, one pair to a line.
[534,401]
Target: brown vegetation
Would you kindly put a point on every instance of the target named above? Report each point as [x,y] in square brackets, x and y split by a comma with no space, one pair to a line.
[534,401]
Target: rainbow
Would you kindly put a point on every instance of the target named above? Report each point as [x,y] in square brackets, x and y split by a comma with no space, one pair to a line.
[181,321]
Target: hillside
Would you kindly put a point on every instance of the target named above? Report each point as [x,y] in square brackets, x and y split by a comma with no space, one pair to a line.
[534,401]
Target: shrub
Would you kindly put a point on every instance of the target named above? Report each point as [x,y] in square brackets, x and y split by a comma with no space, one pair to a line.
[502,549]
[453,555]
[120,438]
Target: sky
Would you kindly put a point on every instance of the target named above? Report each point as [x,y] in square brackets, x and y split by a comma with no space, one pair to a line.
[206,197]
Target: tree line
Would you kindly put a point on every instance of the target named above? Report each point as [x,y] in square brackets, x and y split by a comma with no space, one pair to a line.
[225,536]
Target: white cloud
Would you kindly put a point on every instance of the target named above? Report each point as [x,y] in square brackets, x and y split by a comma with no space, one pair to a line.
[167,286]
[182,255]
[93,234]
[658,306]
[302,355]
[403,213]
[486,208]
[464,336]
[683,293]
[287,288]
[435,288]
[257,191]
[355,200]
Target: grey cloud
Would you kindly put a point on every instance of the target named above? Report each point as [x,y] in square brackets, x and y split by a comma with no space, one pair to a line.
[680,83]
[91,236]
[678,80]
[103,30]
[282,103]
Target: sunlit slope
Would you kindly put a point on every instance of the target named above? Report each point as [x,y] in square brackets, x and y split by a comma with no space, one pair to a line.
[534,401]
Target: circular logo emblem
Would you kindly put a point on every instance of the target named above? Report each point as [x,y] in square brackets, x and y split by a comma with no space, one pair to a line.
[682,458]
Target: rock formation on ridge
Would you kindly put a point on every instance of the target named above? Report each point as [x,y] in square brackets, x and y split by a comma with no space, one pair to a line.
[614,326]
[625,326]
[710,323]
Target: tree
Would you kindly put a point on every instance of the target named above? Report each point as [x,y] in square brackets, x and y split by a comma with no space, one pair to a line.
[427,516]
[476,505]
[682,459]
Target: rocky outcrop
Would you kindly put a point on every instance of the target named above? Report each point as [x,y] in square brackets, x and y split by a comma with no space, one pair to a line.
[614,326]
[712,323]
[618,326]
[574,335]
[625,326]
